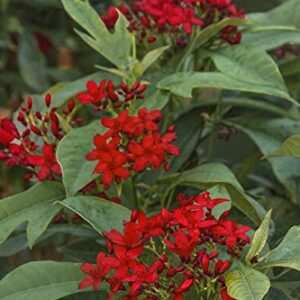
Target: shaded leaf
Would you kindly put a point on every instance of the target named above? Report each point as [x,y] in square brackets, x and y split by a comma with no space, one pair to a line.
[291,147]
[208,175]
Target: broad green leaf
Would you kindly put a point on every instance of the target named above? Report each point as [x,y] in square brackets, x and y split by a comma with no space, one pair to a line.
[151,57]
[71,152]
[245,283]
[32,63]
[36,206]
[211,174]
[268,134]
[45,280]
[115,47]
[19,242]
[291,147]
[286,254]
[249,64]
[62,92]
[260,238]
[102,215]
[182,84]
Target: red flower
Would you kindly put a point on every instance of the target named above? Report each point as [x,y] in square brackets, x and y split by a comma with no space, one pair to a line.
[130,238]
[8,132]
[95,94]
[183,244]
[98,272]
[125,259]
[232,233]
[47,163]
[111,18]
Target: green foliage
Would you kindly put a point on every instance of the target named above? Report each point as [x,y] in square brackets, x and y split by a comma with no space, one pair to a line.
[77,171]
[260,238]
[41,280]
[101,214]
[245,283]
[35,206]
[286,254]
[208,175]
[114,47]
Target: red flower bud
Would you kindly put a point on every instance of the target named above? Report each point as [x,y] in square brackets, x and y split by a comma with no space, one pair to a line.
[29,103]
[48,99]
[35,130]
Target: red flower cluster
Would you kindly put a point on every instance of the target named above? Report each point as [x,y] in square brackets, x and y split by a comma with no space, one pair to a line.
[105,94]
[131,143]
[152,18]
[182,247]
[33,143]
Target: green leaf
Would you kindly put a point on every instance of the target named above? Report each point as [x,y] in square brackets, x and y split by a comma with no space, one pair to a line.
[151,57]
[182,84]
[35,206]
[291,147]
[71,152]
[268,134]
[102,215]
[245,283]
[189,126]
[211,174]
[45,280]
[271,39]
[260,238]
[286,254]
[32,63]
[19,242]
[252,65]
[115,47]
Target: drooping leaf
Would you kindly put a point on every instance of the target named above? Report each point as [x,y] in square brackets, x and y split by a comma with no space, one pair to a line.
[115,47]
[260,238]
[102,215]
[208,175]
[291,147]
[19,242]
[35,205]
[71,152]
[32,63]
[45,280]
[287,253]
[268,134]
[182,84]
[245,283]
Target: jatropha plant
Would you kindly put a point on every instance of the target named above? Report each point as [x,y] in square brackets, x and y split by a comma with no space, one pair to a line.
[170,253]
[134,171]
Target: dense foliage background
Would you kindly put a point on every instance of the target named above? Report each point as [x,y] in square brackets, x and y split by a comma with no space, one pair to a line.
[40,51]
